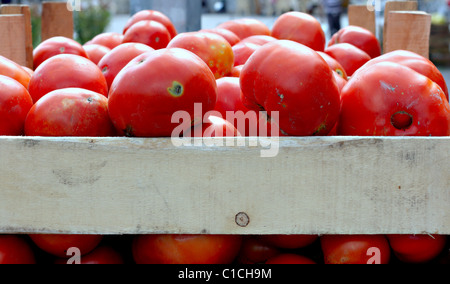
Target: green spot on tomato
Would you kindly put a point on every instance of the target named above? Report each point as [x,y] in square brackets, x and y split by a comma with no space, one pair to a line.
[176,90]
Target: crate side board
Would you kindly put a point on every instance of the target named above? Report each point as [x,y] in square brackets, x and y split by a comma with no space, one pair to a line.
[325,185]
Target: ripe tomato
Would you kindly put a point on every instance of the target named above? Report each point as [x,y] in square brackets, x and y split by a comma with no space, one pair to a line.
[388,99]
[13,70]
[302,28]
[334,65]
[67,71]
[96,52]
[101,255]
[305,95]
[151,33]
[242,52]
[109,39]
[229,96]
[231,37]
[289,241]
[213,126]
[245,27]
[157,84]
[417,248]
[259,39]
[15,102]
[186,249]
[256,251]
[15,249]
[54,46]
[340,81]
[414,61]
[359,37]
[151,15]
[349,56]
[356,249]
[70,112]
[290,258]
[57,245]
[236,71]
[212,48]
[115,60]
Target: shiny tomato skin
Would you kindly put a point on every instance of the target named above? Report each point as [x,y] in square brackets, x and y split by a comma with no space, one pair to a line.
[15,249]
[101,255]
[349,56]
[259,39]
[300,27]
[378,98]
[213,126]
[236,71]
[70,112]
[354,249]
[57,245]
[334,65]
[55,46]
[229,96]
[67,71]
[290,259]
[256,251]
[305,95]
[96,52]
[212,48]
[15,103]
[414,61]
[417,249]
[115,60]
[242,52]
[186,249]
[151,33]
[109,39]
[231,37]
[161,82]
[289,241]
[359,37]
[13,70]
[245,27]
[151,15]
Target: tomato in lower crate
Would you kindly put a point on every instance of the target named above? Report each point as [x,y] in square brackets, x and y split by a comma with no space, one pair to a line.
[109,39]
[154,16]
[15,103]
[58,245]
[151,33]
[417,248]
[101,255]
[55,46]
[359,37]
[231,37]
[186,249]
[389,99]
[15,249]
[67,71]
[355,249]
[349,56]
[13,70]
[70,112]
[289,241]
[96,52]
[256,251]
[290,259]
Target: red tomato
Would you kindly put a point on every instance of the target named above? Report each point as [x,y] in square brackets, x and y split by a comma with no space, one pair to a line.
[151,33]
[57,245]
[229,96]
[213,126]
[356,249]
[15,102]
[29,70]
[115,60]
[388,99]
[151,15]
[242,52]
[290,258]
[54,46]
[231,37]
[359,37]
[259,39]
[13,70]
[305,95]
[289,241]
[417,248]
[70,112]
[245,27]
[110,40]
[236,71]
[99,256]
[349,56]
[15,249]
[157,84]
[186,249]
[334,65]
[67,71]
[256,251]
[414,61]
[302,28]
[213,49]
[96,52]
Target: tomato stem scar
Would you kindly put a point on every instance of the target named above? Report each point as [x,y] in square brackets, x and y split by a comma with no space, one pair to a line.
[176,90]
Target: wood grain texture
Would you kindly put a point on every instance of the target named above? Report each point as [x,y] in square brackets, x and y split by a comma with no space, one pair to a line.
[397,6]
[330,185]
[12,35]
[361,16]
[57,20]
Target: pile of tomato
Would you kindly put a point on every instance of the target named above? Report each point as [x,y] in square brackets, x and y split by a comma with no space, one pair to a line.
[131,84]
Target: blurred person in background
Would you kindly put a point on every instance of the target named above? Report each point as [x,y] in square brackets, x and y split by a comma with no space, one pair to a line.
[333,9]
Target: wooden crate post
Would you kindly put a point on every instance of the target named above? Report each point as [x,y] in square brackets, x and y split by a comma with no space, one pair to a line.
[57,20]
[12,35]
[361,16]
[26,12]
[396,6]
[415,38]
